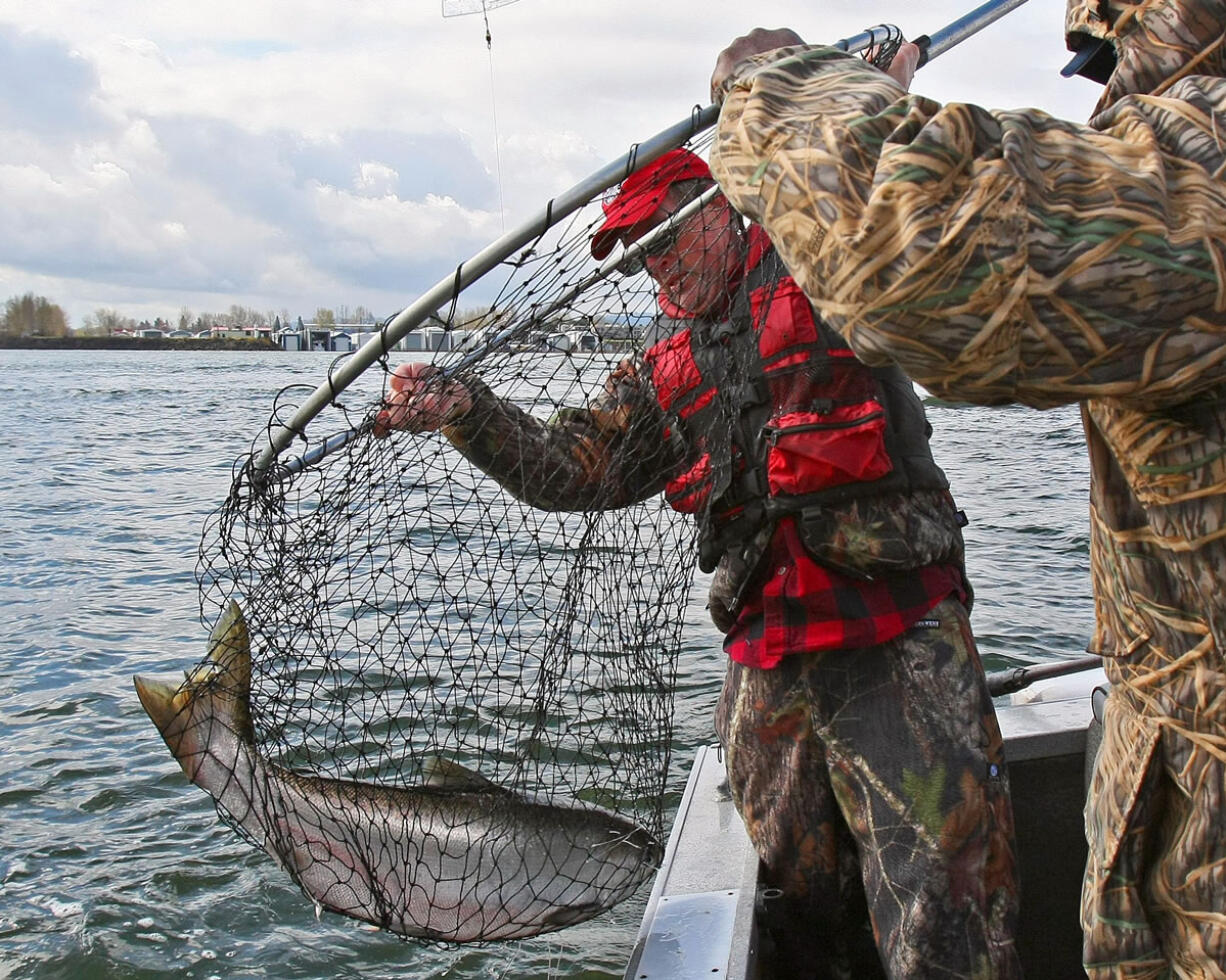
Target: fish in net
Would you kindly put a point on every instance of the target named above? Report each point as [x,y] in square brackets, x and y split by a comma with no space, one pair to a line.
[439,688]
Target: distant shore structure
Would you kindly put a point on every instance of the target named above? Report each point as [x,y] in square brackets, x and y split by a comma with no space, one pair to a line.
[579,336]
[568,336]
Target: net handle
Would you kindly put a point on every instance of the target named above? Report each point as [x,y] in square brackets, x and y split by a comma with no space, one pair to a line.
[955,33]
[448,289]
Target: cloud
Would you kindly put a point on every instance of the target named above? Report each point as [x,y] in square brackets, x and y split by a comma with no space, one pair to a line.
[201,204]
[355,153]
[45,87]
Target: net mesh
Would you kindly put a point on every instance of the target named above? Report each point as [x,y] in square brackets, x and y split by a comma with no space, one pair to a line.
[460,700]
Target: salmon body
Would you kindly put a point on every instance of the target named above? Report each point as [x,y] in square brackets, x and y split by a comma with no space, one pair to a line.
[457,859]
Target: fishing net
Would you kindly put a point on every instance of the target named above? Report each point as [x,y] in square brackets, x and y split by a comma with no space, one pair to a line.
[502,667]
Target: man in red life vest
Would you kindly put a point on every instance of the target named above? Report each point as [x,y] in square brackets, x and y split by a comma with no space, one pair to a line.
[862,747]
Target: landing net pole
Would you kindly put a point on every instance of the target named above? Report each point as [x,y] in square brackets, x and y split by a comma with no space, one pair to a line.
[446,290]
[939,42]
[507,334]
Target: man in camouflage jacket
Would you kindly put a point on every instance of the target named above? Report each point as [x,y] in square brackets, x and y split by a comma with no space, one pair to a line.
[1012,257]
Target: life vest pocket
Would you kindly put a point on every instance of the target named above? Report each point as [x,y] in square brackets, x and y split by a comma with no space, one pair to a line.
[688,492]
[811,451]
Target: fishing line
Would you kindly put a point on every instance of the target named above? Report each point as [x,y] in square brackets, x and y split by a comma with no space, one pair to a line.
[489,47]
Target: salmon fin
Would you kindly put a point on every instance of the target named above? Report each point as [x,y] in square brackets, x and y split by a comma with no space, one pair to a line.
[443,774]
[230,652]
[157,697]
[230,648]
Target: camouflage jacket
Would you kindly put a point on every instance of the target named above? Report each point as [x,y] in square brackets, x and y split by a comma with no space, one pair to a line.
[613,452]
[1013,257]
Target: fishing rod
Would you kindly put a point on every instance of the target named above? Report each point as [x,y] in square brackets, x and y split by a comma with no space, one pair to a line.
[447,290]
[1007,681]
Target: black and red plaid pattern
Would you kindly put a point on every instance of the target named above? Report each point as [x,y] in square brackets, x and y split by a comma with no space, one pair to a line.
[803,607]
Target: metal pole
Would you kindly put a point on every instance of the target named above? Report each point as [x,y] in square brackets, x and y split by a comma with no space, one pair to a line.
[445,291]
[938,42]
[1007,681]
[469,272]
[505,336]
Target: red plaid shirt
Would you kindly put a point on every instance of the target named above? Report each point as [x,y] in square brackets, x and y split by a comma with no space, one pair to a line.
[803,607]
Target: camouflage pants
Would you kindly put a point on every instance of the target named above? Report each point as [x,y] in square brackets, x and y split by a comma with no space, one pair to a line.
[873,785]
[1154,898]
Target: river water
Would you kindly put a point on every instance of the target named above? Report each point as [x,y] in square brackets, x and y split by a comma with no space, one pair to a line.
[113,866]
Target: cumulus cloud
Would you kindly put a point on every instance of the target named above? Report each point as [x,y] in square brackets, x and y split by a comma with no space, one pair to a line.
[45,87]
[200,204]
[157,155]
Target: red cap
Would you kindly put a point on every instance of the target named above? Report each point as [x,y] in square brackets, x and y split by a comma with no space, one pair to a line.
[642,192]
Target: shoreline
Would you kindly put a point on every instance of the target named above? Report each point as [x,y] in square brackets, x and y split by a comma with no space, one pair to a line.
[135,343]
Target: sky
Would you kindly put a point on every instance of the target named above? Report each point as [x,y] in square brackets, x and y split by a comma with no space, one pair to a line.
[162,154]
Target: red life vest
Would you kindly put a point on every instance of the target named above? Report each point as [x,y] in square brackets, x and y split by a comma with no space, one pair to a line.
[779,415]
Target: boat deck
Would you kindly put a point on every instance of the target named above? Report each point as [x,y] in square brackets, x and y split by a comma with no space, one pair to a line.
[700,920]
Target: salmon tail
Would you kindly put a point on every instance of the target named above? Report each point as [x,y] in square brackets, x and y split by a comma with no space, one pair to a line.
[221,685]
[230,652]
[158,699]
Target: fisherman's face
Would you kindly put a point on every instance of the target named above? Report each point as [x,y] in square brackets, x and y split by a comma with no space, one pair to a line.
[695,268]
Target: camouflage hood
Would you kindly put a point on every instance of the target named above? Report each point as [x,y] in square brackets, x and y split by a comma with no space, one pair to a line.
[1156,42]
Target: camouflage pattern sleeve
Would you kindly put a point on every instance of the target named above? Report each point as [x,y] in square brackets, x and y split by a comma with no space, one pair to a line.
[612,453]
[996,256]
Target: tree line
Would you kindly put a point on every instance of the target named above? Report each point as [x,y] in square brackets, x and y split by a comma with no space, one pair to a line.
[37,316]
[33,316]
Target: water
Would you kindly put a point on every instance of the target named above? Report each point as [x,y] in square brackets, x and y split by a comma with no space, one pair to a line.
[111,865]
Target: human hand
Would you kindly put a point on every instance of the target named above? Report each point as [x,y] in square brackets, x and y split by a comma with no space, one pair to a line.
[755,42]
[906,60]
[420,400]
[626,372]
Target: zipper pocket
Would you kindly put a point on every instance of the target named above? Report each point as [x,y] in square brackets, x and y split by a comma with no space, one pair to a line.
[773,432]
[808,452]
